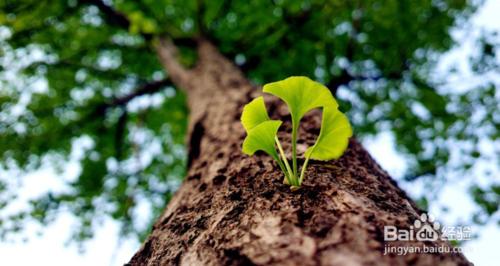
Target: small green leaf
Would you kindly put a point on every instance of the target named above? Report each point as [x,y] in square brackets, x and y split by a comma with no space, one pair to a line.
[333,137]
[254,113]
[262,137]
[301,94]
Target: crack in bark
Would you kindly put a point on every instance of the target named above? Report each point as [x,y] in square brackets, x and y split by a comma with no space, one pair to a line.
[195,142]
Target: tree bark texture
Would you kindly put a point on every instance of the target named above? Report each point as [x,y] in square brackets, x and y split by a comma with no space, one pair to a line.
[233,209]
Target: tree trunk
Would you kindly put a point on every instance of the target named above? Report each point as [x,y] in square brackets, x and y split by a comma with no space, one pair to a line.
[233,209]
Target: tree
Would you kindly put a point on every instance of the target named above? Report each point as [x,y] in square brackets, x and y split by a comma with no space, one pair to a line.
[235,210]
[99,58]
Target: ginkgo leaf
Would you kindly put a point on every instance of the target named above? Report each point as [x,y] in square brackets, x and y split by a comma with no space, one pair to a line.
[333,137]
[254,113]
[262,137]
[301,94]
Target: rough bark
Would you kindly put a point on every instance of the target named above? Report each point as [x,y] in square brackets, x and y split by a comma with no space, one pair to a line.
[233,209]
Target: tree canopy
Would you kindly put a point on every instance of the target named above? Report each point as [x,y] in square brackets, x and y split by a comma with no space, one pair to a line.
[80,80]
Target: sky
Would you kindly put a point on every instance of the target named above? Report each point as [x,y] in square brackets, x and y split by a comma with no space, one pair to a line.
[107,248]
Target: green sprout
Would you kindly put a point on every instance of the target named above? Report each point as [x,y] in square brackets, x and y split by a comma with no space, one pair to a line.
[301,95]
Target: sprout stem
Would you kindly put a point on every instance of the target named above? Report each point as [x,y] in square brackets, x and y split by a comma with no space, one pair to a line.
[290,175]
[282,167]
[304,166]
[294,148]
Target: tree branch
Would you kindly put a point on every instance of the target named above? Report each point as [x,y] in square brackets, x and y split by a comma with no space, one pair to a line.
[168,54]
[120,133]
[148,88]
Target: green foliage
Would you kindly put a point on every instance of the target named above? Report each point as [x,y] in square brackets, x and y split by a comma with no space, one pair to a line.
[254,113]
[136,154]
[488,200]
[333,137]
[261,138]
[141,24]
[67,69]
[301,95]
